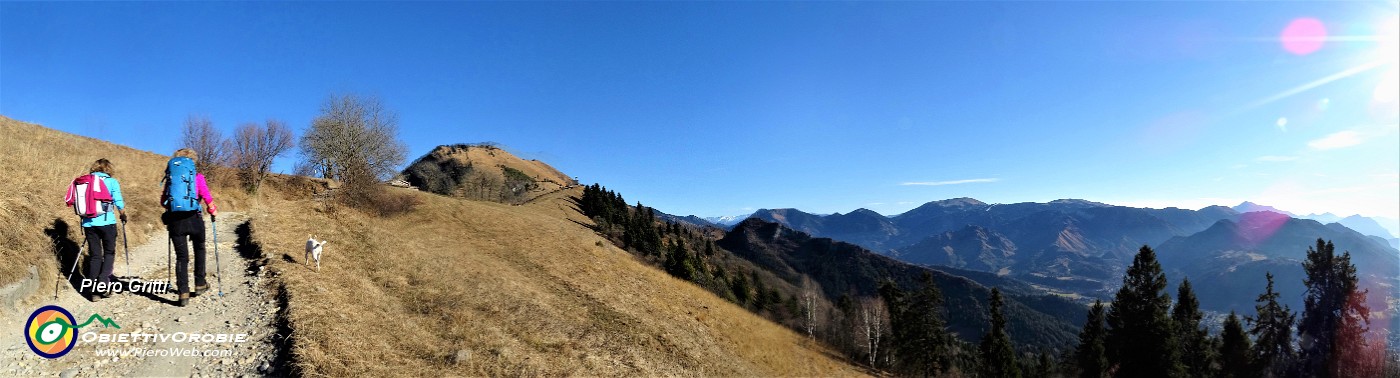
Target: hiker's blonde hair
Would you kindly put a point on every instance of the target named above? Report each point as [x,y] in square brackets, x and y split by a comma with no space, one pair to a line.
[101,165]
[187,152]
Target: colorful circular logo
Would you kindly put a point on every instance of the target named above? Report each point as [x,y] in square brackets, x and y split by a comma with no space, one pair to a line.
[50,331]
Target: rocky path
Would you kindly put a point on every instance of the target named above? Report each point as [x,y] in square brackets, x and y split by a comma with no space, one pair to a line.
[246,307]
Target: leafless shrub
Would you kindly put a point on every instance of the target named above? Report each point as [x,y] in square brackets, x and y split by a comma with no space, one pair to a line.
[355,141]
[207,141]
[353,131]
[386,203]
[254,148]
[361,190]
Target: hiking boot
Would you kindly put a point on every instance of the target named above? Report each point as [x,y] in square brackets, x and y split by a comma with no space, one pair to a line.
[94,297]
[199,289]
[184,299]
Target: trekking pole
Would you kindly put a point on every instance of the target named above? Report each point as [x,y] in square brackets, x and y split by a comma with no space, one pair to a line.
[76,257]
[218,271]
[58,251]
[169,255]
[128,250]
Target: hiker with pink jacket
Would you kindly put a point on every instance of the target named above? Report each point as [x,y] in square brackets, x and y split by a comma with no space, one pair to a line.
[182,193]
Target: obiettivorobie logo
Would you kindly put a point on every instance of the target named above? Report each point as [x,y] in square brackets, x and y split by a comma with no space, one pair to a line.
[52,331]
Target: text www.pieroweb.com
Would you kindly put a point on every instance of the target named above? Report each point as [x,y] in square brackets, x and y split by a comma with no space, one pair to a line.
[163,352]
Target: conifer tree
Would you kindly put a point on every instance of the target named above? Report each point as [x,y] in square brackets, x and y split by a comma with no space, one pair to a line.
[1141,338]
[651,236]
[740,287]
[1334,318]
[679,262]
[1045,367]
[919,335]
[1234,350]
[760,294]
[1272,328]
[1357,356]
[1193,341]
[1090,354]
[998,358]
[631,229]
[695,266]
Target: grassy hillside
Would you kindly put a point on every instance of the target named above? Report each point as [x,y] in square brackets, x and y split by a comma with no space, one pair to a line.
[483,172]
[455,287]
[38,163]
[465,287]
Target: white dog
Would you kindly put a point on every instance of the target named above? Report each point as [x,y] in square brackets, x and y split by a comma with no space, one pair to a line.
[313,250]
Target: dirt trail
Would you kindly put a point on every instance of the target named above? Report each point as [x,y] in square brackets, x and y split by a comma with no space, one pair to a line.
[245,307]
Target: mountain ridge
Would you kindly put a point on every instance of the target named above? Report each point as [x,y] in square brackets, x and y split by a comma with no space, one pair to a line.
[793,252]
[1070,245]
[1267,241]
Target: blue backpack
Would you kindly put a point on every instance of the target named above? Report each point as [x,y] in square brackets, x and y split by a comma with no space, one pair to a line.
[181,190]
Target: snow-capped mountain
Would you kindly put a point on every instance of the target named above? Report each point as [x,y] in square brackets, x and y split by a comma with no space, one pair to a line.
[727,220]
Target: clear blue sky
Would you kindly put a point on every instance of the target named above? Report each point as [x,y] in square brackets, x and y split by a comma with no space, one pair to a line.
[722,108]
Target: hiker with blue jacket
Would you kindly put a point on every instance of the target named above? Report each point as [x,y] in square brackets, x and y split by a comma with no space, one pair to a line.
[99,225]
[181,194]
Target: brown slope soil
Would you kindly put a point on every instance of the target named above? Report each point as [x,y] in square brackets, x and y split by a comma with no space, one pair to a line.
[481,288]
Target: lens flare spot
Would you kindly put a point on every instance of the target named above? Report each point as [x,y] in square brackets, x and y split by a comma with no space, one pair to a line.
[1303,36]
[1257,227]
[1282,123]
[1323,104]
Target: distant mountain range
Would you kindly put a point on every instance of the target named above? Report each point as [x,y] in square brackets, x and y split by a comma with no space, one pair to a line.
[1082,247]
[1250,207]
[1232,256]
[727,220]
[1365,225]
[1071,245]
[688,219]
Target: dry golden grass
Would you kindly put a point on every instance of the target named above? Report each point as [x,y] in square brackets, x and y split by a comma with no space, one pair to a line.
[453,288]
[37,166]
[479,288]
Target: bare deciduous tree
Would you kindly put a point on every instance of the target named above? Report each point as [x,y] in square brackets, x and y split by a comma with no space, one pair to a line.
[254,148]
[355,141]
[809,306]
[873,321]
[208,143]
[483,186]
[353,134]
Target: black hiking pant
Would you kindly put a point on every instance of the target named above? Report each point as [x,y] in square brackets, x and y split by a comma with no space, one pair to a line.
[102,251]
[186,226]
